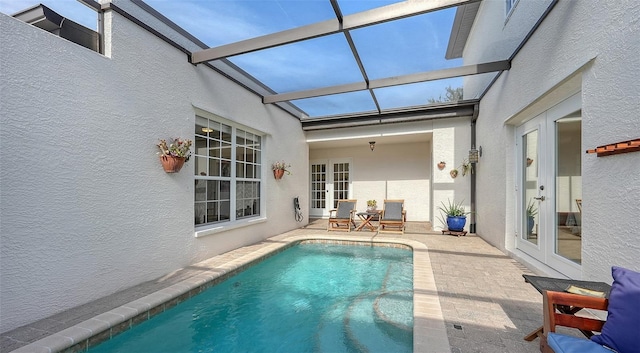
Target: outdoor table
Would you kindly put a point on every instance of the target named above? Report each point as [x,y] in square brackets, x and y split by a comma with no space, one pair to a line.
[542,284]
[366,218]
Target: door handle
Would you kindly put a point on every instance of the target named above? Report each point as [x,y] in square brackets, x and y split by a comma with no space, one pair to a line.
[541,198]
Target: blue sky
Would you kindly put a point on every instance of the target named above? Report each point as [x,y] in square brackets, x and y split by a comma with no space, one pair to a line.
[411,45]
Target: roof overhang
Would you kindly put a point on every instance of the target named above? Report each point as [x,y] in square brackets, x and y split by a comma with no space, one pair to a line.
[43,17]
[462,23]
[457,109]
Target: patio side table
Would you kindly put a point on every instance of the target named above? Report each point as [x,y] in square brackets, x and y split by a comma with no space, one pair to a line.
[366,218]
[542,284]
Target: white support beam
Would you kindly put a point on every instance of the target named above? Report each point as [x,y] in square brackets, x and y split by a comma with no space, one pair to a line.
[392,81]
[362,19]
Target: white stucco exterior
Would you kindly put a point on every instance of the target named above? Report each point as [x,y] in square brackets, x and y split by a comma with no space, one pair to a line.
[86,208]
[582,47]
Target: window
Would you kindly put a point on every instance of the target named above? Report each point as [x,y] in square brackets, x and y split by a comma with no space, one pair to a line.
[510,5]
[227,172]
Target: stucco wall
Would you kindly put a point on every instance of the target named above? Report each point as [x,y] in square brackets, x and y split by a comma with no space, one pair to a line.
[451,144]
[593,41]
[86,208]
[405,170]
[391,171]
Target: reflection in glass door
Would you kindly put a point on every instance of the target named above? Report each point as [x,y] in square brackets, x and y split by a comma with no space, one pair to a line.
[568,176]
[550,187]
[530,190]
[533,194]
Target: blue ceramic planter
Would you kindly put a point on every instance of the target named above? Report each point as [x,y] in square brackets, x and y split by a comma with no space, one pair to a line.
[530,223]
[456,223]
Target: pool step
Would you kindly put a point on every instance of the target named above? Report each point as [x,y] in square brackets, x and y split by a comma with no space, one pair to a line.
[382,333]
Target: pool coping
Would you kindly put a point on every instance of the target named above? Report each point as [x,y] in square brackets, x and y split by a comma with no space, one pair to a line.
[429,332]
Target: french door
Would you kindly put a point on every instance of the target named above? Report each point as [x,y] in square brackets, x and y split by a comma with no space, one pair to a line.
[330,181]
[549,187]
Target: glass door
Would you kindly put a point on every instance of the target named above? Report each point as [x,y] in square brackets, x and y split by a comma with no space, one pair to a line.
[550,187]
[330,182]
[532,193]
[568,176]
[319,190]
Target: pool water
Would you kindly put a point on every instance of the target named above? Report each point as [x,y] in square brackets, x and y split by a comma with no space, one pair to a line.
[308,298]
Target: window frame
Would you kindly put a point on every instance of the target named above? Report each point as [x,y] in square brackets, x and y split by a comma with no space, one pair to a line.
[509,6]
[216,137]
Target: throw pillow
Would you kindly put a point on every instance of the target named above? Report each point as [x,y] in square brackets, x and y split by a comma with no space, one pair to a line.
[620,332]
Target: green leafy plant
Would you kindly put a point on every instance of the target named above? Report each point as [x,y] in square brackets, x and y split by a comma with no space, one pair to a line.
[372,203]
[532,211]
[178,148]
[452,209]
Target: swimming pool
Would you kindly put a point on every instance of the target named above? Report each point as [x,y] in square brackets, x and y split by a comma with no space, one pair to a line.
[308,298]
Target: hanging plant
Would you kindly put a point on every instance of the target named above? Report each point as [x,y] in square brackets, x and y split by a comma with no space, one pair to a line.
[174,155]
[441,165]
[279,168]
[453,172]
[466,167]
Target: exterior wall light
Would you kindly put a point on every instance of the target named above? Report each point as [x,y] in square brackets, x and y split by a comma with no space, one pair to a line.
[474,154]
[372,145]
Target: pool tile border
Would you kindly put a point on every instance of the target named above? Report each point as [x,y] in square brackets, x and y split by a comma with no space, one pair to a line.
[429,332]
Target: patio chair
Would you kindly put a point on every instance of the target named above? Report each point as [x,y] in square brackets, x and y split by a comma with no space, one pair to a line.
[393,216]
[552,342]
[618,333]
[343,215]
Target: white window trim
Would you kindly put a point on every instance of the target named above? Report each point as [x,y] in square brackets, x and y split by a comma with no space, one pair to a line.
[209,229]
[219,228]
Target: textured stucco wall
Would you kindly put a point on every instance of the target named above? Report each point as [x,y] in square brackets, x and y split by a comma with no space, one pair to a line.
[591,43]
[406,170]
[391,171]
[451,144]
[86,209]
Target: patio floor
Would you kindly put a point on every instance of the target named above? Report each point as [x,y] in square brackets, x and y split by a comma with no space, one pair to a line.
[486,305]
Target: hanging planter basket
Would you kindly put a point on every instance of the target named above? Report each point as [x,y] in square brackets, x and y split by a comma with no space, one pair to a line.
[278,173]
[172,164]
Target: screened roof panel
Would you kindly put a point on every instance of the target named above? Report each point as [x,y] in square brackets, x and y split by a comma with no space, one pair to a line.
[314,63]
[219,22]
[413,44]
[417,94]
[349,7]
[365,57]
[337,104]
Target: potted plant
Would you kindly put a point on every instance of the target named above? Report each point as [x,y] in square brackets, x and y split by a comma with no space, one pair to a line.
[441,165]
[371,205]
[279,168]
[174,155]
[456,215]
[453,172]
[532,211]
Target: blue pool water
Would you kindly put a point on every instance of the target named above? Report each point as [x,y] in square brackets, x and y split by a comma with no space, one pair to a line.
[308,298]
